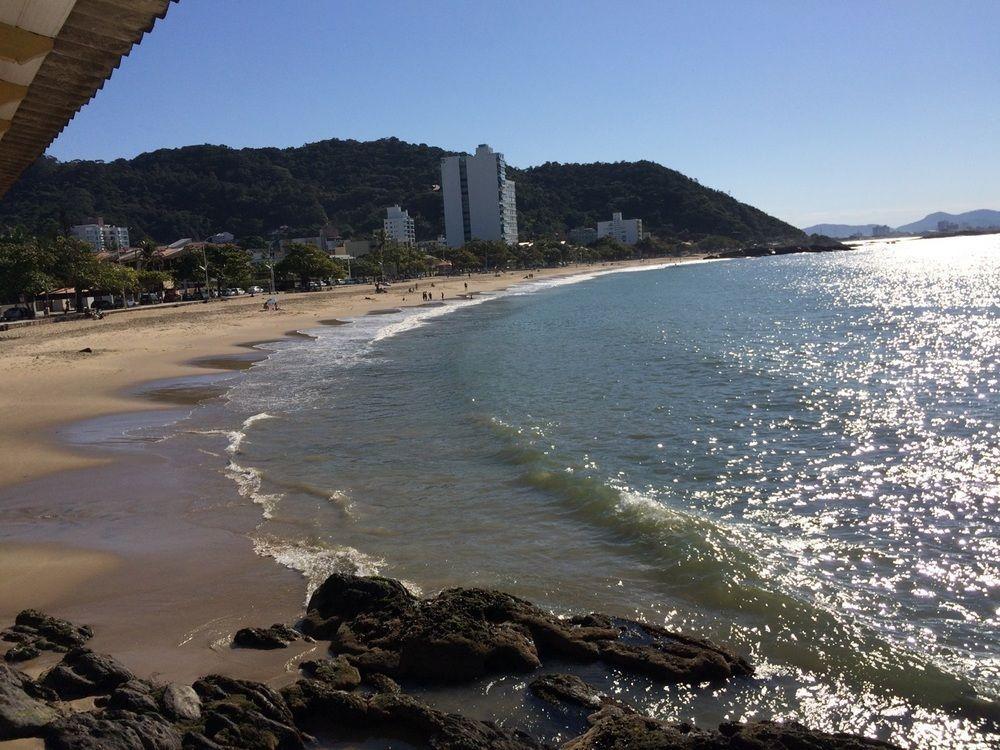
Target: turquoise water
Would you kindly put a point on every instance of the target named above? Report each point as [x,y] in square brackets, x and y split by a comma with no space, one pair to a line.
[798,456]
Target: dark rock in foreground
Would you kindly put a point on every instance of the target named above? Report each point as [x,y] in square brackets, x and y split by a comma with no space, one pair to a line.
[24,705]
[35,631]
[390,714]
[244,714]
[566,688]
[379,630]
[614,729]
[276,636]
[82,673]
[113,730]
[462,634]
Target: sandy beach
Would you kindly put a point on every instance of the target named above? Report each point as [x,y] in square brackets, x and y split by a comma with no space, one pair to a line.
[193,581]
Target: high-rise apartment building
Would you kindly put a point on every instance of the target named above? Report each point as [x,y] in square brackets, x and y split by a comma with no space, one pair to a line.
[399,226]
[479,200]
[102,236]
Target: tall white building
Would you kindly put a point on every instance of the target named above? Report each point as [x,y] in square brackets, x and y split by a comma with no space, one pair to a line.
[101,236]
[626,231]
[479,200]
[399,226]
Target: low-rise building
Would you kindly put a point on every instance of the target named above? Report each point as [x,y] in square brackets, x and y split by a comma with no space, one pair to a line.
[354,248]
[625,231]
[399,226]
[221,238]
[101,236]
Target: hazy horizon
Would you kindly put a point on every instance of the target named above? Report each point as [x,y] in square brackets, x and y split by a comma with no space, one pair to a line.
[851,114]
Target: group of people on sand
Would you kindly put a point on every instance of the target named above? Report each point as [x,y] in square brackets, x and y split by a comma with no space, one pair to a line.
[271,304]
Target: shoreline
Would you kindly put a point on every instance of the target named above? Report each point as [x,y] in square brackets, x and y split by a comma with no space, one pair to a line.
[120,378]
[49,382]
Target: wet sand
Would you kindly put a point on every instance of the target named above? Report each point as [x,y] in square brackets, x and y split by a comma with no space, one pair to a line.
[162,569]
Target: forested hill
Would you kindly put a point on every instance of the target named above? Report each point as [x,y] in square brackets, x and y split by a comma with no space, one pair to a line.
[198,190]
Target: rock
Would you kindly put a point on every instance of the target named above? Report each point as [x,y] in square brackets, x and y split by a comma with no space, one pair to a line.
[387,714]
[614,729]
[566,688]
[247,715]
[428,727]
[34,628]
[466,633]
[21,652]
[134,695]
[381,683]
[23,710]
[86,350]
[82,672]
[181,703]
[276,636]
[671,657]
[112,730]
[337,673]
[313,702]
[344,597]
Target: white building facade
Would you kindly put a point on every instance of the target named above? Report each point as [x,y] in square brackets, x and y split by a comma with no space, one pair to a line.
[399,227]
[479,201]
[625,231]
[102,236]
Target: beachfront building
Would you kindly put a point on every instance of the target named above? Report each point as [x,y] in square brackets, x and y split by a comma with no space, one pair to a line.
[583,236]
[399,227]
[100,236]
[479,200]
[625,231]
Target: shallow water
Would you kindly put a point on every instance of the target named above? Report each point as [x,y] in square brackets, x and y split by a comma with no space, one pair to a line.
[798,456]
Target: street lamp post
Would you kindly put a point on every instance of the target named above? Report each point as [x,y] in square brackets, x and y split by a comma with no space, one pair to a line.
[270,267]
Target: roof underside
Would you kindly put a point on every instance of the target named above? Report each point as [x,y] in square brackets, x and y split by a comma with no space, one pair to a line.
[54,57]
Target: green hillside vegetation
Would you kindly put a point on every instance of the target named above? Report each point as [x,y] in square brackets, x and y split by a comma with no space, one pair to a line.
[198,190]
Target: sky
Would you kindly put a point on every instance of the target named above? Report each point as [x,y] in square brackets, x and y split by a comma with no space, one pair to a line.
[814,111]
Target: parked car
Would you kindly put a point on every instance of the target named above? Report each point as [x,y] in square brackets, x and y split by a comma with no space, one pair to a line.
[104,304]
[17,313]
[255,290]
[314,286]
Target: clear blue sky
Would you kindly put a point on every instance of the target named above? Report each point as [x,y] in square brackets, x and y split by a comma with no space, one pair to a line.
[847,111]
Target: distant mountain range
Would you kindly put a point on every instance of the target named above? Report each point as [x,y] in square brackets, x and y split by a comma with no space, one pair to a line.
[199,190]
[981,219]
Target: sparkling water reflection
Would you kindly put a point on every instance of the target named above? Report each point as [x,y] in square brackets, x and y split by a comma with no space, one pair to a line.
[797,455]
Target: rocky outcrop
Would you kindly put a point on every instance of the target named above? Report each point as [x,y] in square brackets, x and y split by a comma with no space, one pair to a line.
[276,636]
[338,673]
[462,634]
[566,688]
[378,631]
[615,729]
[82,672]
[25,708]
[244,714]
[113,730]
[34,632]
[390,714]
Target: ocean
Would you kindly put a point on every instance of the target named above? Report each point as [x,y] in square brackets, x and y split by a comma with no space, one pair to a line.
[798,456]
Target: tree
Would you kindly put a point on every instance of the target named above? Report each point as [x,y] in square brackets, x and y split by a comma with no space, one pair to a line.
[229,265]
[308,262]
[24,268]
[147,253]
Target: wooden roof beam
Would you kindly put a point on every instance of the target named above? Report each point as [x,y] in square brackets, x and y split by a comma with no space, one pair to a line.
[11,92]
[19,45]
